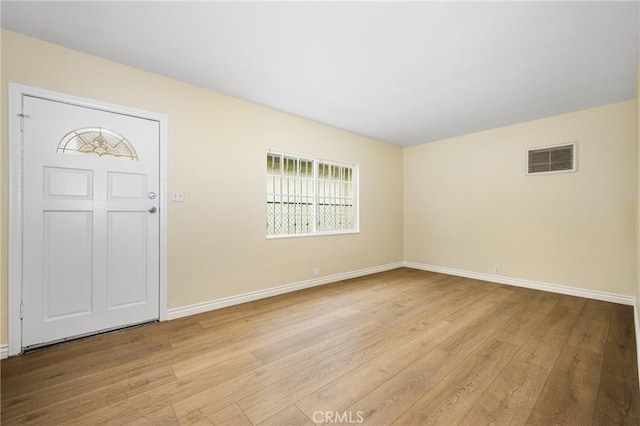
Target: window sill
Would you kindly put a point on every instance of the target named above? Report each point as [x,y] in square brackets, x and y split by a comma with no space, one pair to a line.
[317,234]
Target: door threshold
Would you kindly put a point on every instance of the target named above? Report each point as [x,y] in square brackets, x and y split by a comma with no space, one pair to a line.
[59,342]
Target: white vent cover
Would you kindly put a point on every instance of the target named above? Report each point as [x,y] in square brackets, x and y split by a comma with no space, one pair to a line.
[552,159]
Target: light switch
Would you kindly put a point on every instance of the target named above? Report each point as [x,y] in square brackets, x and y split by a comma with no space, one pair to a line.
[177,196]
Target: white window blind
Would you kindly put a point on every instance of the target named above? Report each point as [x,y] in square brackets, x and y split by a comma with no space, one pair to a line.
[307,196]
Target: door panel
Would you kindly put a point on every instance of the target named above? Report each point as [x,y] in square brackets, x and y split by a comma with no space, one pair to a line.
[126,264]
[68,183]
[91,244]
[127,186]
[68,263]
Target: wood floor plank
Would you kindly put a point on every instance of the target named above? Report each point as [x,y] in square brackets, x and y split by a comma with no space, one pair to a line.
[307,336]
[592,326]
[262,405]
[559,323]
[265,327]
[282,395]
[83,385]
[232,416]
[620,352]
[338,395]
[508,399]
[449,401]
[164,416]
[394,397]
[569,395]
[398,347]
[67,369]
[100,401]
[248,385]
[77,404]
[290,416]
[617,402]
[214,398]
[546,342]
[387,402]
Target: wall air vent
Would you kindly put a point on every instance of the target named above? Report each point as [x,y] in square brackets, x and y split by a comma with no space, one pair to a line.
[552,159]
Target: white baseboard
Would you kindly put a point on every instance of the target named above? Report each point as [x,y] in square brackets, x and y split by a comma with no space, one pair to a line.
[274,291]
[4,351]
[553,288]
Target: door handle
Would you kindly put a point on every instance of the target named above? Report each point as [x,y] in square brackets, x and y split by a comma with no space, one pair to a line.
[152,210]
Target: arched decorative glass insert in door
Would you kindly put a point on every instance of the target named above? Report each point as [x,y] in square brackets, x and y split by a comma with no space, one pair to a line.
[97,141]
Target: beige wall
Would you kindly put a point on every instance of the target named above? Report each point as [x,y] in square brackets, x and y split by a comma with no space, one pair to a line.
[638,203]
[468,204]
[216,240]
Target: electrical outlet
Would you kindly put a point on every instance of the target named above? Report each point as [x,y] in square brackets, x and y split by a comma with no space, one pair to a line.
[316,272]
[177,196]
[497,269]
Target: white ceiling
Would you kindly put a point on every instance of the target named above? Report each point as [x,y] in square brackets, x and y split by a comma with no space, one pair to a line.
[403,73]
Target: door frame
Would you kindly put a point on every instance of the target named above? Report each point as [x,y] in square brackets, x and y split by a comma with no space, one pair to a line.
[16,200]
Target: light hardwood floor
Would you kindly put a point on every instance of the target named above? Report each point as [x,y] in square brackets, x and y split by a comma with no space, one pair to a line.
[400,347]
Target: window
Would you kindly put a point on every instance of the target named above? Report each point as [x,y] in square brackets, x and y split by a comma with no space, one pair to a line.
[97,141]
[307,196]
[552,159]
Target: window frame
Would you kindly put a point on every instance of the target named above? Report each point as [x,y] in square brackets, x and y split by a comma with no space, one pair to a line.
[315,203]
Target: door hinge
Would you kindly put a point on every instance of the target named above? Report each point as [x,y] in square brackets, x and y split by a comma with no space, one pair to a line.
[21,311]
[22,117]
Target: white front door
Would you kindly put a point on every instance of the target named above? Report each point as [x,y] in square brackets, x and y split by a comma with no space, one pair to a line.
[90,221]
